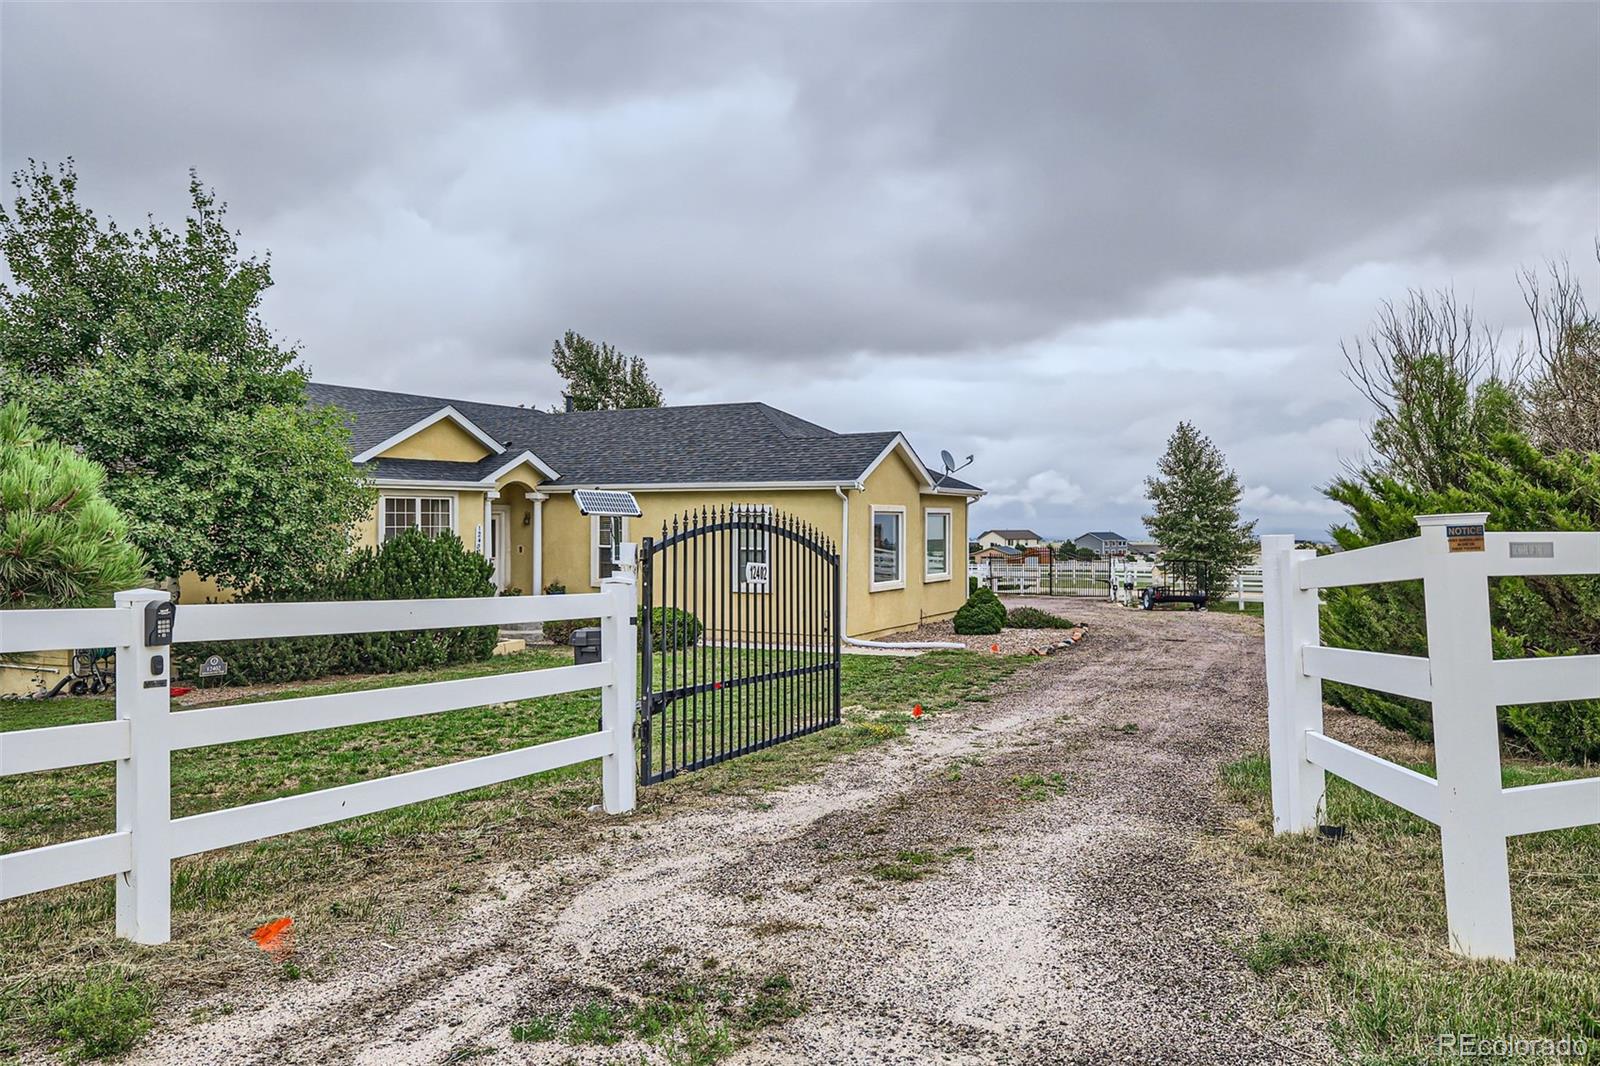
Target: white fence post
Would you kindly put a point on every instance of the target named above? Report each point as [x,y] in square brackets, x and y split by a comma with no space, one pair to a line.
[619,641]
[1294,701]
[1466,735]
[144,779]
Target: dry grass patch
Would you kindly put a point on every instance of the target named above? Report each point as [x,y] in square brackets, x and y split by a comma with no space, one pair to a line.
[1358,931]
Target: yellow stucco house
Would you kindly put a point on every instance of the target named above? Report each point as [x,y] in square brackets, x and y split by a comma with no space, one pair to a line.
[501,478]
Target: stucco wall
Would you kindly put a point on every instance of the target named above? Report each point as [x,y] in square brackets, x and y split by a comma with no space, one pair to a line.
[568,533]
[443,440]
[890,610]
[28,672]
[568,538]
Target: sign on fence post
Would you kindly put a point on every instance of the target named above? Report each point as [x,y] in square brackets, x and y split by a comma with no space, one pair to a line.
[1294,700]
[1466,735]
[144,779]
[619,643]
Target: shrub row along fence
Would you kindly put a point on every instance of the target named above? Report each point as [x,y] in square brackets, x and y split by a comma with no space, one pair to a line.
[1460,677]
[145,732]
[1113,579]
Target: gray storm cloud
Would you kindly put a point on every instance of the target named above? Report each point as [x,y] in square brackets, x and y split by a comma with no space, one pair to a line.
[1038,233]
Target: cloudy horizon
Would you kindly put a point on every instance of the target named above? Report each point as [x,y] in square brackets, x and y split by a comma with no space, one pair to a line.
[1039,235]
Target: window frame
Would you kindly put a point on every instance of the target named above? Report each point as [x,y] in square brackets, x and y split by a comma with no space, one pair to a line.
[740,585]
[594,544]
[899,581]
[452,504]
[949,537]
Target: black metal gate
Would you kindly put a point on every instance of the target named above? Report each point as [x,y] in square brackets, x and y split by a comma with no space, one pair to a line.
[739,626]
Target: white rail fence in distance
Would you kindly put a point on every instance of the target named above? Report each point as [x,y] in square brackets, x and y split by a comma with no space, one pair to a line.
[145,732]
[1455,559]
[1109,578]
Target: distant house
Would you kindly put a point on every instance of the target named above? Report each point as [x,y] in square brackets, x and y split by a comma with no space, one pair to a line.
[1146,548]
[999,553]
[1103,544]
[1011,538]
[1006,555]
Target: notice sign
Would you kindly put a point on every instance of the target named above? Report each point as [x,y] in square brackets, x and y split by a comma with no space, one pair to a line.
[1464,538]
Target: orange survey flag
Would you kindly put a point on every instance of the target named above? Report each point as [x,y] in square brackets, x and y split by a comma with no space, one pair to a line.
[276,938]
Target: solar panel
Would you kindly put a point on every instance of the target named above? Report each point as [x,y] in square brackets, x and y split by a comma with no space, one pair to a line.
[601,502]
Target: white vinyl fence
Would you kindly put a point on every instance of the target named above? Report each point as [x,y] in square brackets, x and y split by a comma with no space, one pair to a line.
[1460,677]
[146,731]
[1110,578]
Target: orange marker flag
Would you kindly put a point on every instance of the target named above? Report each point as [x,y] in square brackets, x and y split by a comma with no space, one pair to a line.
[276,938]
[916,710]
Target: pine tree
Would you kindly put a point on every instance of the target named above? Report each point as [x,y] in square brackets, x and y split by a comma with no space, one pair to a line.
[1195,507]
[61,543]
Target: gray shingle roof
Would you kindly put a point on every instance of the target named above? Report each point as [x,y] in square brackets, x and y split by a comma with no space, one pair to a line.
[1012,534]
[711,443]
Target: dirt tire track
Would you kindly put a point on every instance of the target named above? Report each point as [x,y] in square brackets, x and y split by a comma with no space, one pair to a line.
[1062,919]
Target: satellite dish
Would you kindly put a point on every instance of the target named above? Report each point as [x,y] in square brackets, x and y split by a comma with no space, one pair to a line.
[950,466]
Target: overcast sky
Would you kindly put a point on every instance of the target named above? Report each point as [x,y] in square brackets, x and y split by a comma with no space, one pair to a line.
[1042,235]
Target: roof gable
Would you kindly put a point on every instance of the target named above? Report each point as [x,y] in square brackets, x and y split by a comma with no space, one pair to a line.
[440,443]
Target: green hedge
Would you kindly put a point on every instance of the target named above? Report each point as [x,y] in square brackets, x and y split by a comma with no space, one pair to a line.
[1531,616]
[672,629]
[411,566]
[983,613]
[560,631]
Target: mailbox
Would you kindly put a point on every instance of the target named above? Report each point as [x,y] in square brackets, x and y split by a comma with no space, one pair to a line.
[586,645]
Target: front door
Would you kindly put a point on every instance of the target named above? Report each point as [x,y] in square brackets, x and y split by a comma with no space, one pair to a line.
[499,538]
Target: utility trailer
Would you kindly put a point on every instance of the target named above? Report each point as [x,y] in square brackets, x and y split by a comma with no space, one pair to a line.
[1180,581]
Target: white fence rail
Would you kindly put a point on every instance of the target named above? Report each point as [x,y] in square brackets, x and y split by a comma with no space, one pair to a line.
[1460,677]
[146,731]
[1111,578]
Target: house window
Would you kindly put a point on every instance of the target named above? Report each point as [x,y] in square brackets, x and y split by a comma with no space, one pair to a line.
[936,561]
[750,546]
[888,548]
[431,514]
[607,531]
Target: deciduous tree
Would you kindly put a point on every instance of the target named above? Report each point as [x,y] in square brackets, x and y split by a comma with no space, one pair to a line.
[600,378]
[145,351]
[1562,390]
[1435,379]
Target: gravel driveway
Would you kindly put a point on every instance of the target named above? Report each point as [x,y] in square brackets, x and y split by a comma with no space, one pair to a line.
[1020,881]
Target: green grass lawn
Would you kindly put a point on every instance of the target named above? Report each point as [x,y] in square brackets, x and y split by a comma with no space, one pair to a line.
[64,977]
[1360,936]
